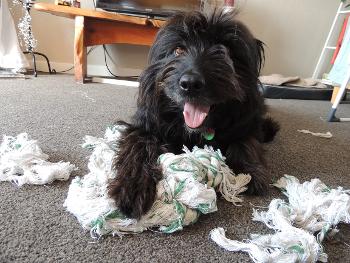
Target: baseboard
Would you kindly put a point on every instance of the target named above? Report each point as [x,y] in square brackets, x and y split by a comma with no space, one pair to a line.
[119,82]
[92,70]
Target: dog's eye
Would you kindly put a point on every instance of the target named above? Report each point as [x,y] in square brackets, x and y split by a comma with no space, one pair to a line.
[179,51]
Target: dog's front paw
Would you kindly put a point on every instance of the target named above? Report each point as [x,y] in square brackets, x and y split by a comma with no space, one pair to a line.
[259,183]
[134,196]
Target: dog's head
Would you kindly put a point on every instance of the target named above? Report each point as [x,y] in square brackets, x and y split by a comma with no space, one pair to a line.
[201,61]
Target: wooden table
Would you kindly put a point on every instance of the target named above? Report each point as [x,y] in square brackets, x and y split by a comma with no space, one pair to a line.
[98,27]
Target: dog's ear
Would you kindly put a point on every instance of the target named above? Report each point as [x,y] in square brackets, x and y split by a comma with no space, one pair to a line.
[148,99]
[260,55]
[246,52]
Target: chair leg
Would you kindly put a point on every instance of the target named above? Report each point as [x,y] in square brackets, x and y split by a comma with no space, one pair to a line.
[34,61]
[331,116]
[47,61]
[51,71]
[338,98]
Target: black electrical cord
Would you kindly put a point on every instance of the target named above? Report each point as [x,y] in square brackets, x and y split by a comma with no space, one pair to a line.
[110,72]
[110,57]
[68,69]
[62,71]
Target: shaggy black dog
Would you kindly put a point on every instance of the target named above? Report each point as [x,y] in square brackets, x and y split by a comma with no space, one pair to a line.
[201,87]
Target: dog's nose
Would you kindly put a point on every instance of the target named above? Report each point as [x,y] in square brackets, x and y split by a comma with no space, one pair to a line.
[191,82]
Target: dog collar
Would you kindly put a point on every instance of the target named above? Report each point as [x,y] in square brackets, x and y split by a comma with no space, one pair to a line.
[209,134]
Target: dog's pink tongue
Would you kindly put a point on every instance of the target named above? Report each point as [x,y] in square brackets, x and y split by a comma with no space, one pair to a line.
[195,114]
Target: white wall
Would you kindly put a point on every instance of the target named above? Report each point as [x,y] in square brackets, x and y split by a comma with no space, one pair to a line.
[293,30]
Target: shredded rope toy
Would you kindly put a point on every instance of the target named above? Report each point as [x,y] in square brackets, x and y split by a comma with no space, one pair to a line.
[312,212]
[185,192]
[23,162]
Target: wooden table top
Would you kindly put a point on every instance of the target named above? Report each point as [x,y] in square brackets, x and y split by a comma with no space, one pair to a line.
[72,12]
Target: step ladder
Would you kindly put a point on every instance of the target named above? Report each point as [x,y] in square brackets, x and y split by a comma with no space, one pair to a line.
[327,47]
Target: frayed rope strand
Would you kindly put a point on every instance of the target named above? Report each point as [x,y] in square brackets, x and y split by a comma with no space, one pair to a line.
[312,209]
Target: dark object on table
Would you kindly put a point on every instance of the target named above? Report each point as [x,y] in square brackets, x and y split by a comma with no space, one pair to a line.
[152,8]
[76,3]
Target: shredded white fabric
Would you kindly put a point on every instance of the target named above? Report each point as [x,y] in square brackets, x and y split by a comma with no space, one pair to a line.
[327,135]
[186,191]
[313,208]
[23,162]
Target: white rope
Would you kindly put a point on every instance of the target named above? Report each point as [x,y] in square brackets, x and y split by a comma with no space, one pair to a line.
[312,208]
[186,191]
[290,245]
[23,162]
[326,135]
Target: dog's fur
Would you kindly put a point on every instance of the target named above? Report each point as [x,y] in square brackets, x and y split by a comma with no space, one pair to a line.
[225,60]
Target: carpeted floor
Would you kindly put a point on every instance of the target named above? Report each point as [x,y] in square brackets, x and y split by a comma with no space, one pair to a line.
[56,111]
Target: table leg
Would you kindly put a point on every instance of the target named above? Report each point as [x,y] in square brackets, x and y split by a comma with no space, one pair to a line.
[80,61]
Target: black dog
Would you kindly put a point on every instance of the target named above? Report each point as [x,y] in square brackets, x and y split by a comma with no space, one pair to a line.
[201,87]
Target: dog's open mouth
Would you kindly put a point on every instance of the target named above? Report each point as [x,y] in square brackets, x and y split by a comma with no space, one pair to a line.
[195,114]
